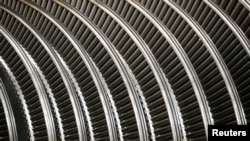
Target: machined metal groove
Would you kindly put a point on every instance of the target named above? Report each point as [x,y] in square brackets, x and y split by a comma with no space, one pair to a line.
[104,92]
[224,39]
[35,76]
[239,14]
[167,93]
[124,69]
[164,56]
[8,113]
[200,94]
[72,89]
[204,77]
[239,112]
[231,24]
[21,97]
[25,82]
[70,84]
[138,69]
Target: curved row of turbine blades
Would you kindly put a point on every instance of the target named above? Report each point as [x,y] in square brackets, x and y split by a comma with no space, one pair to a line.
[122,69]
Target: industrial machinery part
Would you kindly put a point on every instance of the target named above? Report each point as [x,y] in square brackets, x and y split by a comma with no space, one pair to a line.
[118,70]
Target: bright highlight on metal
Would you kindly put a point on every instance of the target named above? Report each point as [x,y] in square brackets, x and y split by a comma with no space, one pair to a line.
[119,70]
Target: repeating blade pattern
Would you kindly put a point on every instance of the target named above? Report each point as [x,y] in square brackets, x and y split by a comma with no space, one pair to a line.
[120,70]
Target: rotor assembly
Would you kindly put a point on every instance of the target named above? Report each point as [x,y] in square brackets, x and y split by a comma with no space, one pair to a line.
[122,70]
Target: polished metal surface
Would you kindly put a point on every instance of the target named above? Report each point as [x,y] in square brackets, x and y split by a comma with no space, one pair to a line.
[119,70]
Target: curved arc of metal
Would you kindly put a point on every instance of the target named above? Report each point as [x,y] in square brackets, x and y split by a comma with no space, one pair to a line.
[176,122]
[71,86]
[237,105]
[8,112]
[37,81]
[246,4]
[231,24]
[179,51]
[94,71]
[132,85]
[21,97]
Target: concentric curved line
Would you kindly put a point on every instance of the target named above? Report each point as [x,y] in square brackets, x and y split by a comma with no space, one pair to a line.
[132,85]
[176,122]
[103,90]
[123,69]
[231,24]
[176,46]
[71,85]
[21,97]
[8,113]
[35,76]
[237,105]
